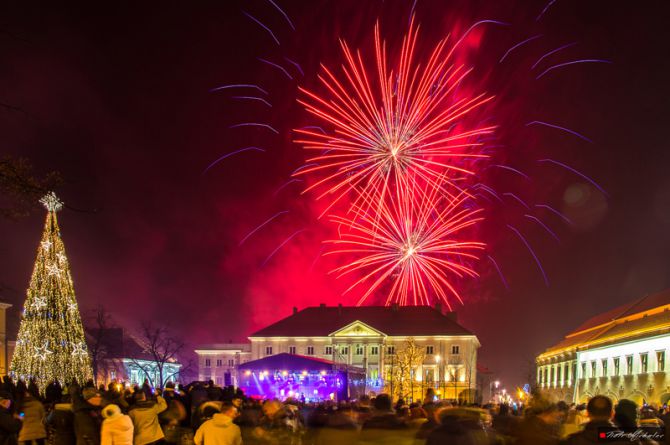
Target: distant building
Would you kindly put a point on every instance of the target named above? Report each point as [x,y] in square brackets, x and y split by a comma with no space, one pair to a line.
[6,347]
[219,362]
[369,337]
[621,353]
[122,358]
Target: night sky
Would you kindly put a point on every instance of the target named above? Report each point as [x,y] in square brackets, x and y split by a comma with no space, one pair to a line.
[117,99]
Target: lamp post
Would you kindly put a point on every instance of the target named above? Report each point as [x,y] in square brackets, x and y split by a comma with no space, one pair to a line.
[491,384]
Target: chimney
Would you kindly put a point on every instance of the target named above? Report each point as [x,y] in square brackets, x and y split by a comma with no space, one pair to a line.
[452,316]
[322,305]
[295,310]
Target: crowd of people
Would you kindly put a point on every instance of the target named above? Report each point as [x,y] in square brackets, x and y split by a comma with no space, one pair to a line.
[205,414]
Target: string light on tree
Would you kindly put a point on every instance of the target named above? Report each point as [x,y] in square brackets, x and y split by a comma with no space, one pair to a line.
[51,344]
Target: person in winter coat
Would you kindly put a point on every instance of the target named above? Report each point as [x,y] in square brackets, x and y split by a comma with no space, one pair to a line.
[61,423]
[220,429]
[33,420]
[87,407]
[10,424]
[117,428]
[144,414]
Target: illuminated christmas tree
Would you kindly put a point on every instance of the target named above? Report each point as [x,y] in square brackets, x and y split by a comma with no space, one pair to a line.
[51,344]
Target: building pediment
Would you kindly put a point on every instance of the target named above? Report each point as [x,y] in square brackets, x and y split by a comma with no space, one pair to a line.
[357,329]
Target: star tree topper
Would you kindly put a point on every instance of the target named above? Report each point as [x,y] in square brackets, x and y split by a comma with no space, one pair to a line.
[51,202]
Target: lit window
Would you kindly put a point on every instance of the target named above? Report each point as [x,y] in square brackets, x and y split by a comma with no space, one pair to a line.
[593,368]
[359,350]
[291,350]
[455,349]
[374,350]
[660,360]
[644,362]
[565,373]
[268,350]
[429,350]
[112,375]
[329,350]
[231,362]
[604,365]
[629,364]
[208,363]
[616,362]
[558,374]
[219,363]
[310,350]
[344,350]
[390,350]
[583,370]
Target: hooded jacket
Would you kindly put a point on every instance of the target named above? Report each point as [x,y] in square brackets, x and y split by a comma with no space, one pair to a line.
[219,430]
[33,420]
[117,429]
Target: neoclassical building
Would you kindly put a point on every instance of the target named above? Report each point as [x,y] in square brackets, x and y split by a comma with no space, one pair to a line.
[219,362]
[370,338]
[620,353]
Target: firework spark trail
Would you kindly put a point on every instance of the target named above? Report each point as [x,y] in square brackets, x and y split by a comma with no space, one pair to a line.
[283,13]
[284,185]
[551,2]
[517,199]
[302,167]
[489,190]
[295,64]
[551,68]
[259,99]
[578,173]
[532,252]
[481,22]
[512,169]
[241,150]
[523,42]
[316,258]
[544,226]
[261,226]
[254,124]
[500,274]
[546,124]
[313,127]
[282,245]
[262,26]
[238,85]
[279,67]
[416,246]
[553,51]
[555,212]
[396,136]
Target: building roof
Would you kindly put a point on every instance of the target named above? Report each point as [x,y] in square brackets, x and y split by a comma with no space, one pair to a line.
[292,363]
[223,347]
[321,321]
[647,315]
[117,343]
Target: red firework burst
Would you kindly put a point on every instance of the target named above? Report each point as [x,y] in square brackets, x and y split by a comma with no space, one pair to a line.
[415,245]
[404,128]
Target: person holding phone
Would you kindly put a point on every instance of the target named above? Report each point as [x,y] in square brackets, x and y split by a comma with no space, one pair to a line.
[10,424]
[32,412]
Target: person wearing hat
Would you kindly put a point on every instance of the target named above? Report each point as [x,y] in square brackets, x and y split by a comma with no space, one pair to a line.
[117,428]
[87,407]
[9,424]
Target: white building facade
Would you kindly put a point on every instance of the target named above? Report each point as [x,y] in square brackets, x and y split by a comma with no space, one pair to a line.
[621,354]
[219,362]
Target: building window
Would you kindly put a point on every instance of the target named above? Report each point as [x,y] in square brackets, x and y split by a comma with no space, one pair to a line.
[390,350]
[374,350]
[310,350]
[583,370]
[566,377]
[644,362]
[374,374]
[546,379]
[660,361]
[430,375]
[604,365]
[291,350]
[112,375]
[219,363]
[329,350]
[455,349]
[593,368]
[558,374]
[552,375]
[429,350]
[219,381]
[344,350]
[268,350]
[629,365]
[208,363]
[359,350]
[231,362]
[616,365]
